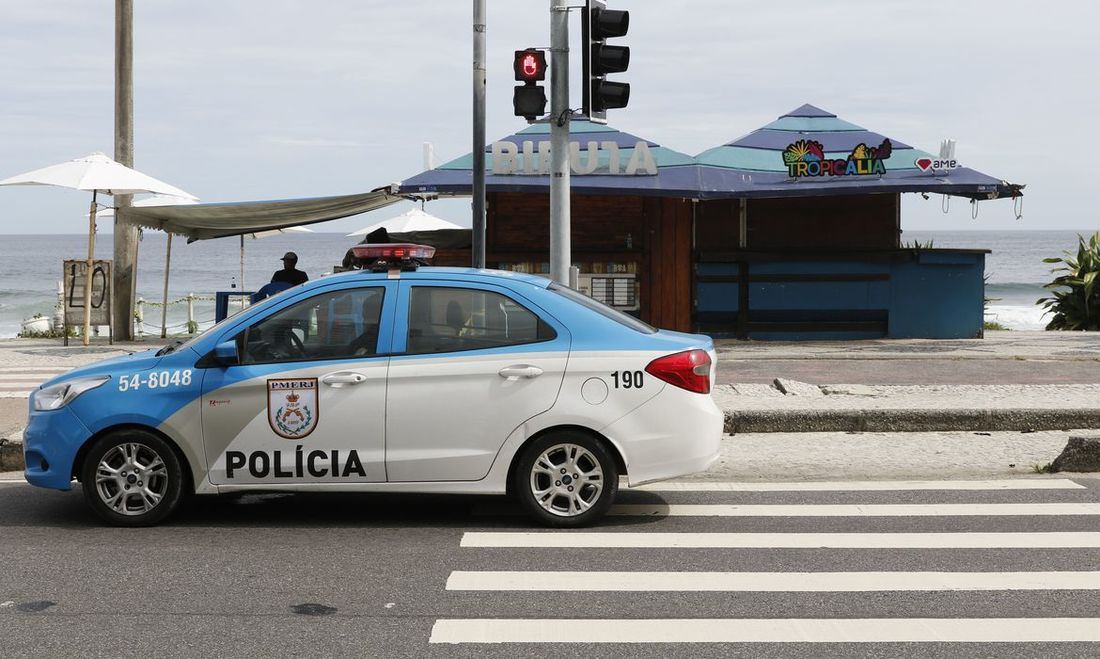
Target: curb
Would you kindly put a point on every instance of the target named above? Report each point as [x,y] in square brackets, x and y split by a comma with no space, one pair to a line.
[905,420]
[11,455]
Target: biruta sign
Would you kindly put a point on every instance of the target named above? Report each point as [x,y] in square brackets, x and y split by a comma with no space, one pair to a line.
[599,158]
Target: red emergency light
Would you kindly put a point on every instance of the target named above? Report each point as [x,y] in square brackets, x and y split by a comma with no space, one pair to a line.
[383,256]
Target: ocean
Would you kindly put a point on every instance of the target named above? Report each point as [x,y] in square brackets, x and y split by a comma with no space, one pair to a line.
[30,267]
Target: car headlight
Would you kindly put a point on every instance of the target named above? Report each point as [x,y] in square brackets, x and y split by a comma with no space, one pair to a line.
[61,394]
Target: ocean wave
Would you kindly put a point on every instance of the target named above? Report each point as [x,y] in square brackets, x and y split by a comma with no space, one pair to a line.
[1017,317]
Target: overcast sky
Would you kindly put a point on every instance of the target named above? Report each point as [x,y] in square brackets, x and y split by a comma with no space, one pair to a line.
[268,99]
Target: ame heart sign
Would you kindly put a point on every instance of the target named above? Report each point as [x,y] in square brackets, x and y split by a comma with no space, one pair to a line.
[925,164]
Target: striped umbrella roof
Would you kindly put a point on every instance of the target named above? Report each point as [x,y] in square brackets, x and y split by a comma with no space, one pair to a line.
[748,167]
[677,174]
[755,165]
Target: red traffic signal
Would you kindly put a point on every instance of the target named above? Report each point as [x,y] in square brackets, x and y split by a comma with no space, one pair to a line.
[529,99]
[598,59]
[530,65]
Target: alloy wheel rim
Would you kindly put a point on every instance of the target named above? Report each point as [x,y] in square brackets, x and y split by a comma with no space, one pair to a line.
[566,480]
[131,479]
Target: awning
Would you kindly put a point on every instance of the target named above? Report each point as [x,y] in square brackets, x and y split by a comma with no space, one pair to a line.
[675,175]
[811,152]
[754,166]
[206,221]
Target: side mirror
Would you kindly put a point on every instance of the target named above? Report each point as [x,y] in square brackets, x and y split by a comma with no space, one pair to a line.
[226,353]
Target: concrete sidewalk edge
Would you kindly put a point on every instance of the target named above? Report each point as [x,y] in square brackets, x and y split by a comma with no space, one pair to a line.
[11,455]
[908,420]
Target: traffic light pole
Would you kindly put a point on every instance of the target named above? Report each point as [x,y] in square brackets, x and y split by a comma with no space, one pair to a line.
[478,205]
[560,248]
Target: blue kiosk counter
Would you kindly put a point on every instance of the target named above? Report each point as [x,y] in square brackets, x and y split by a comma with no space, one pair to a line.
[904,293]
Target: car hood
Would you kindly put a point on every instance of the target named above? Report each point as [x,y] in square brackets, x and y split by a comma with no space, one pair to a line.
[135,361]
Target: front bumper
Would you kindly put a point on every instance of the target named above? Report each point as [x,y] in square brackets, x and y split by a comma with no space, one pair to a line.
[50,444]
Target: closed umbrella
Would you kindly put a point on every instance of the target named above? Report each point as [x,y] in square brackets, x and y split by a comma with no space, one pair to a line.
[96,173]
[412,220]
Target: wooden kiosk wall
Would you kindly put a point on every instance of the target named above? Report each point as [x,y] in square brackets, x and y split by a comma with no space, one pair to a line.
[654,234]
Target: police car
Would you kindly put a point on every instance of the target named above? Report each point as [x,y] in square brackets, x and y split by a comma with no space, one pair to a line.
[435,380]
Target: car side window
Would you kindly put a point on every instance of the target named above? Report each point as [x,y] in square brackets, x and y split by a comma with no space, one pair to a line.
[445,319]
[334,325]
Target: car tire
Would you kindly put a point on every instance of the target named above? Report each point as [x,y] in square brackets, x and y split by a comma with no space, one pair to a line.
[566,479]
[132,478]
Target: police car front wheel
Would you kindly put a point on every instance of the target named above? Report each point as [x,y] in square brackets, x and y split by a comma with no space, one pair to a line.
[566,479]
[132,478]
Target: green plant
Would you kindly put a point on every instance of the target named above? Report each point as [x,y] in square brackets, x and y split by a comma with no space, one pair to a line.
[48,334]
[1075,300]
[916,244]
[994,325]
[1048,468]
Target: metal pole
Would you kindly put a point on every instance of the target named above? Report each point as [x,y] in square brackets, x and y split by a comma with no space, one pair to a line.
[560,248]
[242,262]
[478,206]
[164,309]
[126,235]
[88,272]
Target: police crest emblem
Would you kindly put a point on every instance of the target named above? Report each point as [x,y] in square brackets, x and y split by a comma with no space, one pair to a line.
[292,408]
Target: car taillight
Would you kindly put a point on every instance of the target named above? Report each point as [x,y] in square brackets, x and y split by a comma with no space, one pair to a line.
[688,370]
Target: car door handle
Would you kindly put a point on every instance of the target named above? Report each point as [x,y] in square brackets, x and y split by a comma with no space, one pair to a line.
[520,371]
[342,378]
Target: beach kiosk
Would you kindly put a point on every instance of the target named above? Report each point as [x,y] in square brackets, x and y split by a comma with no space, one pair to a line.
[792,231]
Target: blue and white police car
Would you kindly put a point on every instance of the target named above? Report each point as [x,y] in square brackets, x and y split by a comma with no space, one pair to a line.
[435,380]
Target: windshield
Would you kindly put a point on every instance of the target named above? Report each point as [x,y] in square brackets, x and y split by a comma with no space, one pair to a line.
[220,325]
[602,309]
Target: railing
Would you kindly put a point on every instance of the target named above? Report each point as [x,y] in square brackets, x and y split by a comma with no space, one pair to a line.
[192,325]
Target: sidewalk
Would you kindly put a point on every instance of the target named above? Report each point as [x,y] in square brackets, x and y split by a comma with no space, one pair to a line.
[1019,381]
[1000,358]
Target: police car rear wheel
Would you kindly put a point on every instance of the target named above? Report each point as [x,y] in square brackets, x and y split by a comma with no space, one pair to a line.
[132,478]
[566,479]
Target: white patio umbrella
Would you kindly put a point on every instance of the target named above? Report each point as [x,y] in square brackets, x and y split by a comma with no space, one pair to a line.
[96,173]
[154,200]
[414,219]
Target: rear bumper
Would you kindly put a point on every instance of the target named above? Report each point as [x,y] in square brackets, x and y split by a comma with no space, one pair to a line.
[674,434]
[50,444]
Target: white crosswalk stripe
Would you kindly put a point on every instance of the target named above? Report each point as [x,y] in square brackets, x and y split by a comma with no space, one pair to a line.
[857,510]
[19,381]
[837,510]
[868,486]
[769,582]
[630,540]
[742,630]
[670,571]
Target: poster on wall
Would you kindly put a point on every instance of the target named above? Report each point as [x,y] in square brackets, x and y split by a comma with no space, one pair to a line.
[74,278]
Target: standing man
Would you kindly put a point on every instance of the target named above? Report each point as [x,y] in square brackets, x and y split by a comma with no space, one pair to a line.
[290,274]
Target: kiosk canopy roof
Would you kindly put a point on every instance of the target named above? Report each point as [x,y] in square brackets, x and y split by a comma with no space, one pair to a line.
[764,163]
[811,152]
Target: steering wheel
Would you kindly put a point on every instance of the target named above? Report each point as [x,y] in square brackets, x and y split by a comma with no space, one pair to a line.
[294,344]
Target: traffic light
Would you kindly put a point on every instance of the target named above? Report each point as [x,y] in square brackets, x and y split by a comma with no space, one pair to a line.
[529,99]
[598,59]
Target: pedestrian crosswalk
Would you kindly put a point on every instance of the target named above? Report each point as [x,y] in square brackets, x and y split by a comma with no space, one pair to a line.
[19,381]
[748,630]
[1018,555]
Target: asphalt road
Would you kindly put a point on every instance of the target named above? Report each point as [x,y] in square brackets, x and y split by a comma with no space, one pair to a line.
[367,575]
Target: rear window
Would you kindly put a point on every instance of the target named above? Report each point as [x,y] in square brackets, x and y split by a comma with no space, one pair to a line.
[602,309]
